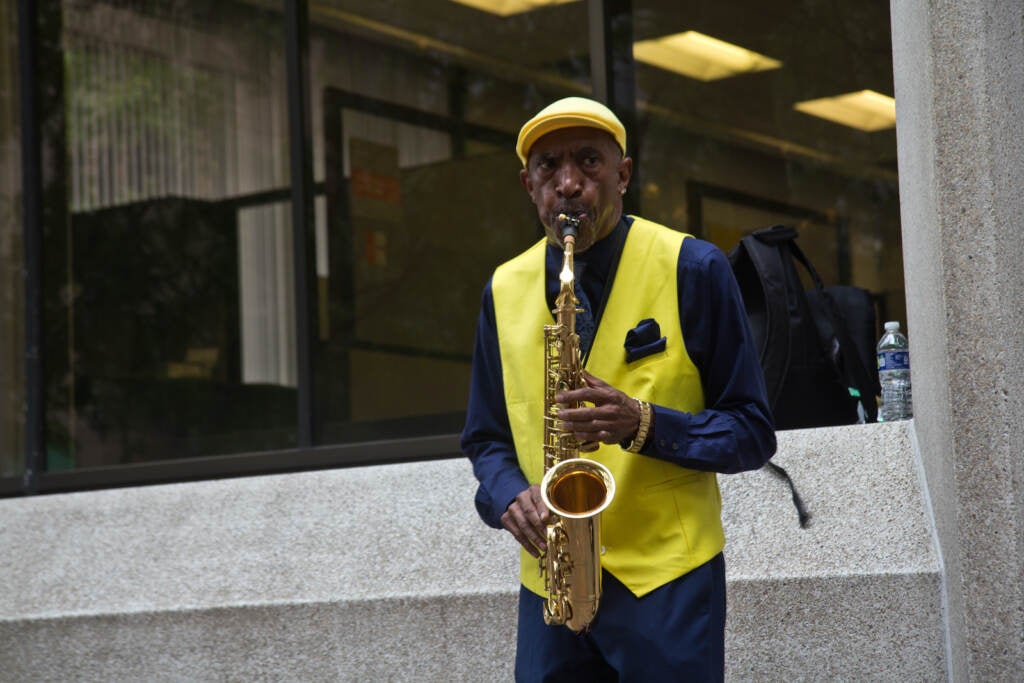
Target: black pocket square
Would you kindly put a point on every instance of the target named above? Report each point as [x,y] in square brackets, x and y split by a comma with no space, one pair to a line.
[644,339]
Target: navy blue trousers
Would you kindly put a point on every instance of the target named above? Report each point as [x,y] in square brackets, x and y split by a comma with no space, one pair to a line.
[675,633]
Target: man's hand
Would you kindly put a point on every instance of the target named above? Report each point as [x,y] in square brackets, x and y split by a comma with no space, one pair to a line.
[613,418]
[526,518]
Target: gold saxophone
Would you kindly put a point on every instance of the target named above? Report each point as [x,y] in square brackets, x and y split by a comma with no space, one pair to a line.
[574,489]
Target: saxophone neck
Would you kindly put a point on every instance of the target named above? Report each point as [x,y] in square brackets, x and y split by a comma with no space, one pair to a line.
[568,228]
[568,275]
[565,303]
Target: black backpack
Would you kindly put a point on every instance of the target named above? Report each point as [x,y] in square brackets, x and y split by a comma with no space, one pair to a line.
[816,346]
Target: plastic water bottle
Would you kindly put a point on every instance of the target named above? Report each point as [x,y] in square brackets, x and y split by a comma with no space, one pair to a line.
[894,375]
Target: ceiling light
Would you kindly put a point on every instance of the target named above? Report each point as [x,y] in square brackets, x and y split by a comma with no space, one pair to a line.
[699,56]
[505,8]
[866,110]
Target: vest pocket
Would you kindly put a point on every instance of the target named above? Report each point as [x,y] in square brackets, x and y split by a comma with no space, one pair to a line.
[647,361]
[644,375]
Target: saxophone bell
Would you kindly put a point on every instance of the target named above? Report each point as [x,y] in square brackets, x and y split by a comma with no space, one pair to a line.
[577,490]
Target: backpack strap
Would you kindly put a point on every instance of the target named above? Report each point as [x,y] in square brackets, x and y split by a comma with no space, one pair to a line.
[802,514]
[765,250]
[761,247]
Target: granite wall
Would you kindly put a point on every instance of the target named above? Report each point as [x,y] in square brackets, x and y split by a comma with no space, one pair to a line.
[959,76]
[386,573]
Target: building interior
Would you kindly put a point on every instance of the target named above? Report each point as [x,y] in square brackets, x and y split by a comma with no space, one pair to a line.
[169,297]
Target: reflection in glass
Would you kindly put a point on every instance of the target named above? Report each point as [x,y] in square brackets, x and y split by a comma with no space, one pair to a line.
[420,104]
[725,157]
[169,331]
[696,55]
[168,275]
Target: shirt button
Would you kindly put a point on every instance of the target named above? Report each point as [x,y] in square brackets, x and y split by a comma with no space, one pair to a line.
[661,443]
[675,446]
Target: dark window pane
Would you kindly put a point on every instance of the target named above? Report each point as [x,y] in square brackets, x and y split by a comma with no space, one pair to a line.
[726,153]
[170,318]
[12,293]
[420,105]
[169,282]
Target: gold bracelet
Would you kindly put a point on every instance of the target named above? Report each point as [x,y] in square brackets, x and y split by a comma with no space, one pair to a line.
[638,441]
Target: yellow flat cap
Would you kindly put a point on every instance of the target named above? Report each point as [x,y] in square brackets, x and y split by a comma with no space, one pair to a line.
[569,112]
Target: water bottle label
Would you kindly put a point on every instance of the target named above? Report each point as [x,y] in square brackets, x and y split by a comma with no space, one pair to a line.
[894,360]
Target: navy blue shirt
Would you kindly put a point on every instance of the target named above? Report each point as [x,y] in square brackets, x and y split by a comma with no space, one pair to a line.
[733,433]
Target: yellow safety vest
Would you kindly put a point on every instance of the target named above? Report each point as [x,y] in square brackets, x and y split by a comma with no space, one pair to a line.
[665,520]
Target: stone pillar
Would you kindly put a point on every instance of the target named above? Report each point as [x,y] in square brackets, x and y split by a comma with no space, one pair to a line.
[959,78]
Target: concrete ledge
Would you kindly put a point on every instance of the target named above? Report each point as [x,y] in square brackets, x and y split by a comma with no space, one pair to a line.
[385,573]
[882,627]
[855,596]
[454,638]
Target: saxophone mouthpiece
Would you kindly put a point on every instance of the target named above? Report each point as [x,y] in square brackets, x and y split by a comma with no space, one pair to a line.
[569,226]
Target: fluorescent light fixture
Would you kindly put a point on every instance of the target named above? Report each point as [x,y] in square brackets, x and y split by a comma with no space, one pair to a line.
[506,8]
[866,110]
[700,56]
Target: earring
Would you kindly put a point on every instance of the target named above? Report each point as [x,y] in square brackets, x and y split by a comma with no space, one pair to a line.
[622,191]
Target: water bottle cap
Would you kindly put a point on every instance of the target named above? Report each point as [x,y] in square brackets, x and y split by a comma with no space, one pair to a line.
[892,326]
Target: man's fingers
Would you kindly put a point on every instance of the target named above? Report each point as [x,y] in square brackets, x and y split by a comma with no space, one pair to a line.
[607,424]
[526,519]
[531,542]
[591,440]
[611,417]
[596,392]
[526,536]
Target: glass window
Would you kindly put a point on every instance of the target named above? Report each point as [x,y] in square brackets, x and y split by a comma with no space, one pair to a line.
[12,293]
[169,296]
[737,135]
[168,271]
[416,106]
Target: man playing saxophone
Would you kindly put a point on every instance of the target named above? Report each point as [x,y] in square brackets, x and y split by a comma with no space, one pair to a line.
[672,393]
